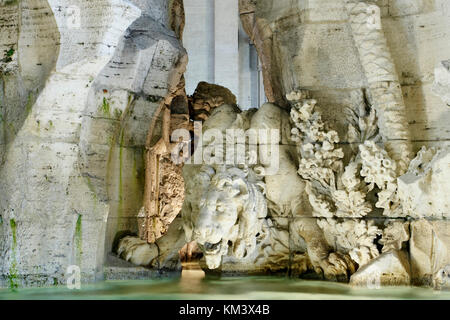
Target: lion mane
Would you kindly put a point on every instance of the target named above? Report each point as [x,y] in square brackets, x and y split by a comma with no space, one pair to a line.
[246,189]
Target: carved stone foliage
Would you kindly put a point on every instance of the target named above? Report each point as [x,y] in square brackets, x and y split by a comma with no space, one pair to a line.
[342,191]
[395,234]
[332,189]
[369,182]
[164,185]
[354,237]
[170,197]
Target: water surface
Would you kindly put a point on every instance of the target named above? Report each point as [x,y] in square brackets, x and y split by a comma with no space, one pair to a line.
[196,287]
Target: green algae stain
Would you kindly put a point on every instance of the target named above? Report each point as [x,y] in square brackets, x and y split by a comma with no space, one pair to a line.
[135,171]
[11,3]
[12,277]
[78,240]
[29,104]
[91,187]
[117,113]
[8,54]
[11,127]
[120,207]
[13,230]
[105,108]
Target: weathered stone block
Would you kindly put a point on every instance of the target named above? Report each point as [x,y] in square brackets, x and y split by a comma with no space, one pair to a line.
[429,250]
[398,8]
[318,55]
[323,10]
[389,269]
[441,86]
[424,191]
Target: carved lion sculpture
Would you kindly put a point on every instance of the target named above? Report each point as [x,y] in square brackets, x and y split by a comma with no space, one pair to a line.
[232,212]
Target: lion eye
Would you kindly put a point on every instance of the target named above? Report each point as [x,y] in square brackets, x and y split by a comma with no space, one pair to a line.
[219,208]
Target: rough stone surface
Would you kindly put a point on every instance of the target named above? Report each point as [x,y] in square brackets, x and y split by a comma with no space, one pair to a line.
[429,250]
[389,269]
[73,171]
[424,190]
[441,85]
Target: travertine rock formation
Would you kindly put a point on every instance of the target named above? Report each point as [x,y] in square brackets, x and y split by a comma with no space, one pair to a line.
[72,175]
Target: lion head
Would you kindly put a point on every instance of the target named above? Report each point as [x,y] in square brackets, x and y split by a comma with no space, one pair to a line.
[224,212]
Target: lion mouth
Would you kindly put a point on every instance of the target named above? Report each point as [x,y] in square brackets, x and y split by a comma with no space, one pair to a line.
[212,248]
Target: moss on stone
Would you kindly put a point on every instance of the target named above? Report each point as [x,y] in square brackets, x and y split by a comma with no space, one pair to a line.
[117,113]
[154,99]
[105,108]
[78,240]
[11,2]
[12,277]
[10,52]
[11,127]
[120,207]
[13,230]
[29,104]
[91,187]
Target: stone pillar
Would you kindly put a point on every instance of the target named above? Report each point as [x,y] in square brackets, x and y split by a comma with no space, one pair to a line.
[226,44]
[245,72]
[199,42]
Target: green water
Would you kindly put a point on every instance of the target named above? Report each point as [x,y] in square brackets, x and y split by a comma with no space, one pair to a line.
[261,288]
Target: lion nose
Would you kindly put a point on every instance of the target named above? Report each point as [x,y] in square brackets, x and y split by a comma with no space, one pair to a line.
[201,233]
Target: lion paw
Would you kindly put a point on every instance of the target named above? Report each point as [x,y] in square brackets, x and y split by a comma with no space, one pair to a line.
[337,267]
